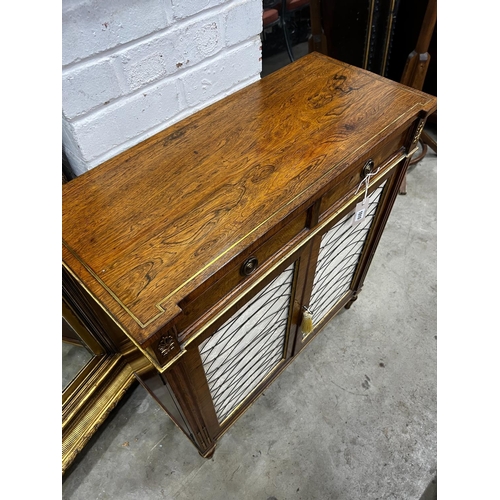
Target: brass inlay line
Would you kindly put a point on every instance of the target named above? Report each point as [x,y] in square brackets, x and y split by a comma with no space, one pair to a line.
[202,269]
[91,271]
[311,234]
[152,360]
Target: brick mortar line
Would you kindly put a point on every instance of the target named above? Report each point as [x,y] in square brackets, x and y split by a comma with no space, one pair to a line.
[171,77]
[176,24]
[185,113]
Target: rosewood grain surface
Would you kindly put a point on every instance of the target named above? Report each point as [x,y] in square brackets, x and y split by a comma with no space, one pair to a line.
[150,226]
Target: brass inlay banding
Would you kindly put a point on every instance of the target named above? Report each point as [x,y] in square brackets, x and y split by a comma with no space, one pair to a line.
[200,330]
[231,247]
[150,358]
[311,234]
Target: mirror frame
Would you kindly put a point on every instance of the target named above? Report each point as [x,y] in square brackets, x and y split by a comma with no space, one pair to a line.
[97,388]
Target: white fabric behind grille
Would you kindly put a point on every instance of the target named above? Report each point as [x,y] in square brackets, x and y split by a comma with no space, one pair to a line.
[243,351]
[339,253]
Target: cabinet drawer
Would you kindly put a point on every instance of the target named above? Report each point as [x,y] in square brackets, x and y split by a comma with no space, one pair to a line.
[196,305]
[386,151]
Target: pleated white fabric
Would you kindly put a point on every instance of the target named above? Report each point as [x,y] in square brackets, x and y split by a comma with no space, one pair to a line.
[339,254]
[243,351]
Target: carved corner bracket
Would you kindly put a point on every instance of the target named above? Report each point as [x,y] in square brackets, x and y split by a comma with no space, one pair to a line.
[167,347]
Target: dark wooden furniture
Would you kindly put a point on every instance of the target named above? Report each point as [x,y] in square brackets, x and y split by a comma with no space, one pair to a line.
[377,35]
[209,244]
[361,32]
[415,72]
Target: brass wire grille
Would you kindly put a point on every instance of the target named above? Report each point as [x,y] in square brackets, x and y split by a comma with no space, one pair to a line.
[338,257]
[243,351]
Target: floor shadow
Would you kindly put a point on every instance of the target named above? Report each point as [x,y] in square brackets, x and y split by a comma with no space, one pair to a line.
[430,492]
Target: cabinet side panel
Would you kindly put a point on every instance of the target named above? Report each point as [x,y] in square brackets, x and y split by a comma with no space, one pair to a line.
[159,388]
[339,254]
[247,347]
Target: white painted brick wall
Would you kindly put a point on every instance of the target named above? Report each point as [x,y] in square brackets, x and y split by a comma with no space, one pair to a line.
[90,27]
[130,69]
[126,119]
[89,86]
[214,77]
[240,21]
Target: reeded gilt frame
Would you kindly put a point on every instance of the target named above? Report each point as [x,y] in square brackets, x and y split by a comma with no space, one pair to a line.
[96,389]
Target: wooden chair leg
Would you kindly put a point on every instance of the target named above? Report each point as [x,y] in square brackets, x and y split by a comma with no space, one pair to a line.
[415,71]
[420,157]
[426,139]
[414,161]
[284,24]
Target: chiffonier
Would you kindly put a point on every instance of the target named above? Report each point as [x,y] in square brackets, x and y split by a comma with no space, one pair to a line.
[222,245]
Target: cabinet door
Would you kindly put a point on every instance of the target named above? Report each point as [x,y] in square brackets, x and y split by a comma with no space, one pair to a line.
[240,352]
[228,367]
[336,254]
[249,346]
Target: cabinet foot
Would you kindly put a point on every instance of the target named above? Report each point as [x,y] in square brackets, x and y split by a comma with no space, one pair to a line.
[209,453]
[349,304]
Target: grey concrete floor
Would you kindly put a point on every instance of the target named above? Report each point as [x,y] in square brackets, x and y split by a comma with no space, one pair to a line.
[353,418]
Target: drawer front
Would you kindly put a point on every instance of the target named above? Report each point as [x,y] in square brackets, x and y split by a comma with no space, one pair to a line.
[381,157]
[244,269]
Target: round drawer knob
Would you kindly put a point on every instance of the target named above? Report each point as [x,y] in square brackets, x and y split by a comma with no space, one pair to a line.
[368,168]
[249,266]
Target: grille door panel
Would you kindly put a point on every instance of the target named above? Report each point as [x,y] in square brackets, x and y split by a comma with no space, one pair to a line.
[248,346]
[339,254]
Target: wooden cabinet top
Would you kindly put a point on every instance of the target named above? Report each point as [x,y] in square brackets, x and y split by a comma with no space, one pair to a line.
[150,226]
